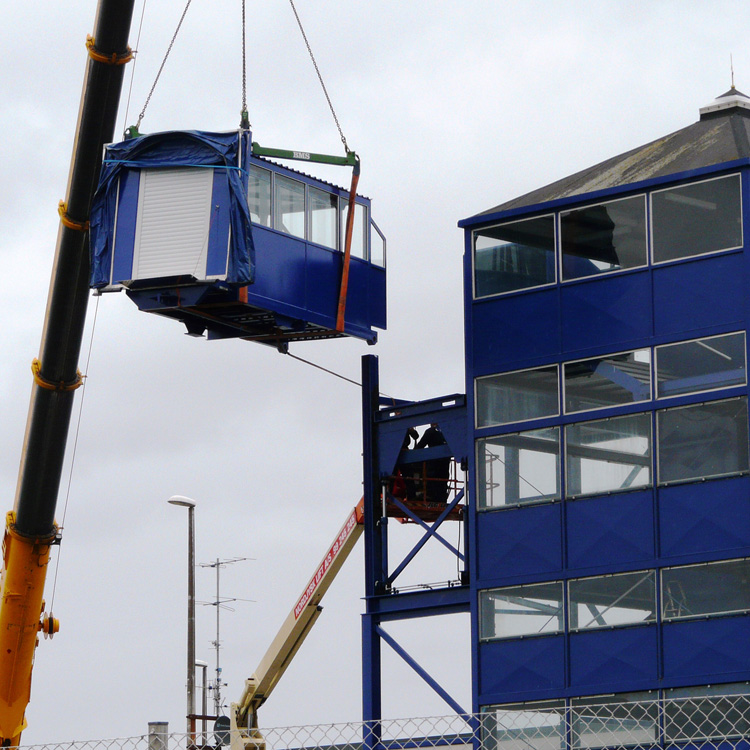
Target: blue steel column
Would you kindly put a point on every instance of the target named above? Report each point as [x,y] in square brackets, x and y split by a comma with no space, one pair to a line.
[371,677]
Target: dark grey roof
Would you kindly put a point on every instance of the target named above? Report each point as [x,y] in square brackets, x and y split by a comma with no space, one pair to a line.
[721,135]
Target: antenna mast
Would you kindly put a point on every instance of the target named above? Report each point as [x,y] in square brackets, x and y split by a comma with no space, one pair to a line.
[220,603]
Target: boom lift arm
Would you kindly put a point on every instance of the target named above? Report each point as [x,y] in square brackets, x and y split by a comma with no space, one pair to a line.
[30,526]
[244,731]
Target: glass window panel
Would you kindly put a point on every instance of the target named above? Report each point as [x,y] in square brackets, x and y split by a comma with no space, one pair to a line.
[538,725]
[701,365]
[520,468]
[608,455]
[289,206]
[703,440]
[608,381]
[323,209]
[606,237]
[517,396]
[377,246]
[698,218]
[707,712]
[607,601]
[620,720]
[358,231]
[521,610]
[709,589]
[516,255]
[259,195]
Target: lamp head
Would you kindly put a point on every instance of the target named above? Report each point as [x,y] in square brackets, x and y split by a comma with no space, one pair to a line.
[185,502]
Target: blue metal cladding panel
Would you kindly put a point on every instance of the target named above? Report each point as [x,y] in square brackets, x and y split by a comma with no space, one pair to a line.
[713,650]
[706,517]
[218,234]
[127,211]
[516,328]
[612,530]
[377,297]
[282,260]
[698,294]
[358,292]
[322,278]
[507,668]
[603,660]
[519,541]
[607,312]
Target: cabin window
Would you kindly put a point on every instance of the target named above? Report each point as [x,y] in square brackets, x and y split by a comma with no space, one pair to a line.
[515,255]
[515,611]
[702,217]
[259,195]
[517,396]
[700,365]
[608,455]
[359,244]
[619,720]
[609,601]
[323,217]
[519,468]
[705,440]
[708,589]
[289,206]
[602,238]
[613,380]
[707,712]
[377,246]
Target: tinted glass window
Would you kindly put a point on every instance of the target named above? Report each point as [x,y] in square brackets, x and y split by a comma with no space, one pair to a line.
[703,440]
[521,610]
[606,601]
[620,720]
[323,225]
[710,589]
[700,365]
[707,712]
[358,231]
[289,206]
[534,725]
[516,255]
[698,218]
[517,396]
[607,237]
[259,195]
[520,468]
[608,381]
[608,455]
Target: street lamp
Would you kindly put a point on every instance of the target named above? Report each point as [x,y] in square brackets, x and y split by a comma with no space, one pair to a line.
[186,502]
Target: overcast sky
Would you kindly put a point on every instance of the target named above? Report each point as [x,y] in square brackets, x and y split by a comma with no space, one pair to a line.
[454,108]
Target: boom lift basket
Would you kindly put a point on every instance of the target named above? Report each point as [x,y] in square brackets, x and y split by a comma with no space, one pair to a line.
[196,228]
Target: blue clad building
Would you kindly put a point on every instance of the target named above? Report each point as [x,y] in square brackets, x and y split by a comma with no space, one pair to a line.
[604,437]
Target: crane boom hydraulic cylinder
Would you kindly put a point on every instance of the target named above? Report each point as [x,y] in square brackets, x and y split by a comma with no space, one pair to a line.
[30,527]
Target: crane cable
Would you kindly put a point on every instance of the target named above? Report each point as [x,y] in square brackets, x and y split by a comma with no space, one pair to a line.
[161,67]
[320,77]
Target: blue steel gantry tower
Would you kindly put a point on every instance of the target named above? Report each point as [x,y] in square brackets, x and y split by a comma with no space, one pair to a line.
[605,436]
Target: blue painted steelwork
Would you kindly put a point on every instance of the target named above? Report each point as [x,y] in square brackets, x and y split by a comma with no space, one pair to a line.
[285,289]
[385,425]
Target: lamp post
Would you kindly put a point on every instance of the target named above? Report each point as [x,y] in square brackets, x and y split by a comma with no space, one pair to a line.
[186,502]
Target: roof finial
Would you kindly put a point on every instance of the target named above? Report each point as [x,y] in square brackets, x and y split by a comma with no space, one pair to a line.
[731,68]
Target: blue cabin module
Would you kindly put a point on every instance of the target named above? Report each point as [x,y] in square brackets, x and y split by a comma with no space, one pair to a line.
[607,319]
[196,228]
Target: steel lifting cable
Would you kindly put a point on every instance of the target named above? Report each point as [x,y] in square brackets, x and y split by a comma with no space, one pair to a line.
[161,67]
[245,121]
[75,449]
[320,77]
[135,62]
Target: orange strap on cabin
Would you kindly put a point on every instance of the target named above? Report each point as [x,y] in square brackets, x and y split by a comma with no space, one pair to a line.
[113,59]
[36,367]
[62,209]
[347,250]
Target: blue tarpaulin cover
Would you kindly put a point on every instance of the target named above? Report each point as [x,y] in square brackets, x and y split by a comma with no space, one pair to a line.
[171,149]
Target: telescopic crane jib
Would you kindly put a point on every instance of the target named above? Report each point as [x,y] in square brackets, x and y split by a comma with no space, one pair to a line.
[30,526]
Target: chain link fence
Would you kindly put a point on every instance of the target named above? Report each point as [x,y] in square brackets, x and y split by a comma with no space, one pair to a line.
[720,722]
